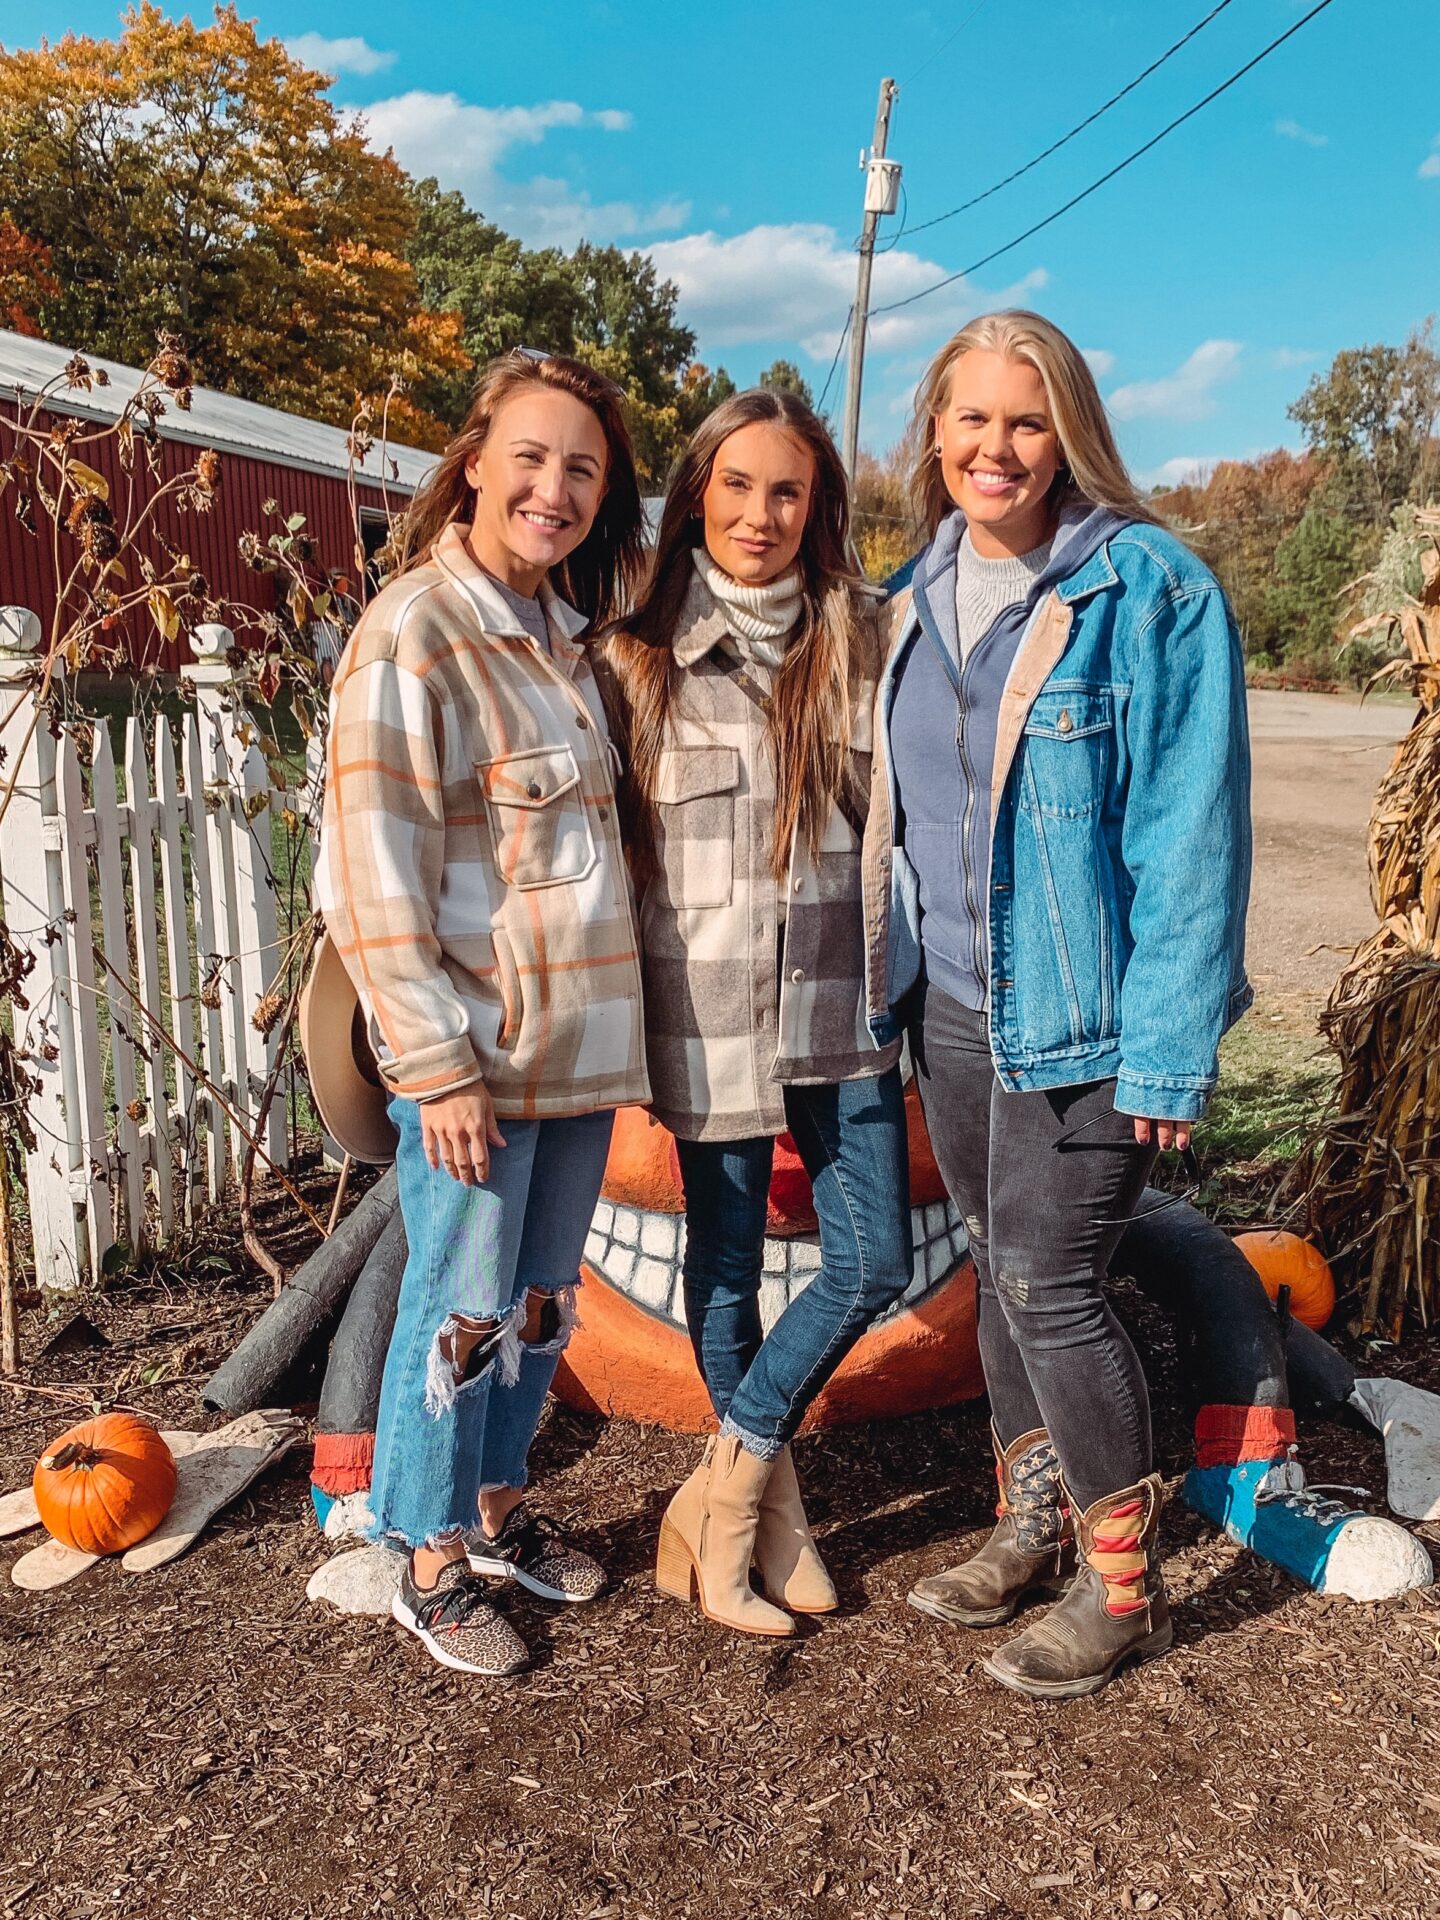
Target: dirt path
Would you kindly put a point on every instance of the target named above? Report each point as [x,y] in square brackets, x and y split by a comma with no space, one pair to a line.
[1318,759]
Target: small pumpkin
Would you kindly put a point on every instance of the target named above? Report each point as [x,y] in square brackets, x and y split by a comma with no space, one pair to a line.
[105,1484]
[1285,1260]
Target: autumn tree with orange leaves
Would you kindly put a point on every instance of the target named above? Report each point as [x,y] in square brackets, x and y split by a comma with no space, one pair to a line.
[199,179]
[25,278]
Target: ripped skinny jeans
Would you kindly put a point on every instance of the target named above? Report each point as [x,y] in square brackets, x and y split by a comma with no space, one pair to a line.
[458,1415]
[1045,1213]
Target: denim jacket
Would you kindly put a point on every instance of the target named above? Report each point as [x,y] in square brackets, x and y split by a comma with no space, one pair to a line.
[1120,860]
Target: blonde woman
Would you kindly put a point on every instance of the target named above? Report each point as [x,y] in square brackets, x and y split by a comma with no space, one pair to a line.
[1062,717]
[742,691]
[473,880]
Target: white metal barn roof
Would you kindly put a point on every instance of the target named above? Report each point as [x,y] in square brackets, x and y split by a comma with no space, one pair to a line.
[216,420]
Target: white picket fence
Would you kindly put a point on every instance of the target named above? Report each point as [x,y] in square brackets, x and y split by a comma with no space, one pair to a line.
[180,871]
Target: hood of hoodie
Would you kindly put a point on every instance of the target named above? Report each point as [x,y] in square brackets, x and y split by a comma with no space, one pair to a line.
[1082,530]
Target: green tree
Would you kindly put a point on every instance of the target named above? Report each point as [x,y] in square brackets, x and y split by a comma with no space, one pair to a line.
[1372,418]
[1312,566]
[607,307]
[786,377]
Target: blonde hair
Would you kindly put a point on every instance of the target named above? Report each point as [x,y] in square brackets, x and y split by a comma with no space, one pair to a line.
[1093,469]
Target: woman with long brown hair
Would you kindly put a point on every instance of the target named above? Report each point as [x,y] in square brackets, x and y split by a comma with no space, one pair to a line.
[473,880]
[741,689]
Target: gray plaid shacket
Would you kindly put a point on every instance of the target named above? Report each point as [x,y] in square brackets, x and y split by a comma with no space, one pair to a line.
[725,1031]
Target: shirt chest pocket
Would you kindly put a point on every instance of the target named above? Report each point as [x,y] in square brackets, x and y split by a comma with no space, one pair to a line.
[536,807]
[695,830]
[1068,751]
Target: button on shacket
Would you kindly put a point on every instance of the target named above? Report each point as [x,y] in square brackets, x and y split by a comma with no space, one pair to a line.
[726,1030]
[470,867]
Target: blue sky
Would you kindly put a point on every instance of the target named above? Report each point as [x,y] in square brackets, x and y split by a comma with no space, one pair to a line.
[1297,215]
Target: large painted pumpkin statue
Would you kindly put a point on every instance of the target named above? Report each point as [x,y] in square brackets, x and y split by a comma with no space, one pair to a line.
[631,1356]
[105,1485]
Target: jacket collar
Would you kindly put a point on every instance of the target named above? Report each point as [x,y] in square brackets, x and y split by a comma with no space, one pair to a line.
[1094,576]
[451,553]
[701,625]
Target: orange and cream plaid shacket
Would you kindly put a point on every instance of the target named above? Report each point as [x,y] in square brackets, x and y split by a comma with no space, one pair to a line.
[470,869]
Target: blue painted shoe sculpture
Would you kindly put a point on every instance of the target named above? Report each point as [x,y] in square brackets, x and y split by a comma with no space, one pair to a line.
[1265,1504]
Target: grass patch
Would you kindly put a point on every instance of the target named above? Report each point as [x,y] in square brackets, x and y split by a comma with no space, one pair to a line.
[1274,1083]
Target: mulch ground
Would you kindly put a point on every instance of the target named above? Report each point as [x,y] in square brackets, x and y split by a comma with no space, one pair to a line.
[203,1742]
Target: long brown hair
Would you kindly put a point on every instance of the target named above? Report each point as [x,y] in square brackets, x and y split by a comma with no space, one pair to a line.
[813,695]
[1096,471]
[601,577]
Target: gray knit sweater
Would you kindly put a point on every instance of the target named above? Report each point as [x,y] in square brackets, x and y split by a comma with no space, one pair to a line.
[984,588]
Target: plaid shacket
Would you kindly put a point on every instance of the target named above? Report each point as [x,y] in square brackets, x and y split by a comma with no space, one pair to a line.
[470,869]
[724,1032]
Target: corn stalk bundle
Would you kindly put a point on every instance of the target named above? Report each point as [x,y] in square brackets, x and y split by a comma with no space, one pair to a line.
[1370,1173]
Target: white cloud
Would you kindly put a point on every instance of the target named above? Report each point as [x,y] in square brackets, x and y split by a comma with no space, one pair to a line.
[1100,361]
[797,282]
[1429,169]
[1185,470]
[1186,394]
[1292,130]
[463,146]
[1293,357]
[351,55]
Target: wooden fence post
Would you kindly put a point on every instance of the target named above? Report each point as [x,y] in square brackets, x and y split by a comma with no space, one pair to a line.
[56,1173]
[241,874]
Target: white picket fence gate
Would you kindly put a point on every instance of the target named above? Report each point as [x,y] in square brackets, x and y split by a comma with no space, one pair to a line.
[136,900]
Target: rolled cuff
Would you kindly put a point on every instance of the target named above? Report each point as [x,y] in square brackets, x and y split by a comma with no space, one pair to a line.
[425,1073]
[1149,1097]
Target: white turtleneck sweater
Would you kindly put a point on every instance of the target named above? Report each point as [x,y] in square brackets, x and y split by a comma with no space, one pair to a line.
[760,618]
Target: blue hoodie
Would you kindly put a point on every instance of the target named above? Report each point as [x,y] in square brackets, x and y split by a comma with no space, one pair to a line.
[942,729]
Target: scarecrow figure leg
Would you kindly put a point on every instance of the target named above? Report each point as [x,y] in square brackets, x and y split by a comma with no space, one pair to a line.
[1247,1478]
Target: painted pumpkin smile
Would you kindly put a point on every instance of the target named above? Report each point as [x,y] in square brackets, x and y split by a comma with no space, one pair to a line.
[630,1353]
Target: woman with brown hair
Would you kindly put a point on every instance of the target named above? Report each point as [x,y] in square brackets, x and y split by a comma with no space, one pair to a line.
[473,880]
[741,689]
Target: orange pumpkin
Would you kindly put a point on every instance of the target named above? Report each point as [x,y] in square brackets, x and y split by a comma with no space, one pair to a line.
[1285,1260]
[105,1484]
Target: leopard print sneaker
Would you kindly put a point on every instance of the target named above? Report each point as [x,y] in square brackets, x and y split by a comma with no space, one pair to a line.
[456,1623]
[531,1549]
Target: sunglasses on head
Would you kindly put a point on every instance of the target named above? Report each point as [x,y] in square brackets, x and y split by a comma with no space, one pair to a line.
[537,356]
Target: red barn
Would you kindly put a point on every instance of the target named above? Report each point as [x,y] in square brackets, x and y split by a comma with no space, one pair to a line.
[265,455]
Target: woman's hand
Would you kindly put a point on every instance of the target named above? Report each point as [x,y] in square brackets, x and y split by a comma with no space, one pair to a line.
[459,1130]
[1167,1133]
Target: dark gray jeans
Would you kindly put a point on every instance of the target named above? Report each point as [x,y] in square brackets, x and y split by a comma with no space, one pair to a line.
[1046,1183]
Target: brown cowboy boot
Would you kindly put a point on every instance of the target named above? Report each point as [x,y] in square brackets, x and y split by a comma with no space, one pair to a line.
[1116,1610]
[1029,1553]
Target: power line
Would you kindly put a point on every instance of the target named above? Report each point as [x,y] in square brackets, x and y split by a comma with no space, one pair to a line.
[1065,139]
[931,58]
[839,349]
[1095,185]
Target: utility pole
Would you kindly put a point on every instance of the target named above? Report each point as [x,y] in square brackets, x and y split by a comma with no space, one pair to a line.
[882,193]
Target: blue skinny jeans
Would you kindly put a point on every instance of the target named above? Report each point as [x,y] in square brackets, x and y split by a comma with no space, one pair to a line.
[457,1415]
[851,1139]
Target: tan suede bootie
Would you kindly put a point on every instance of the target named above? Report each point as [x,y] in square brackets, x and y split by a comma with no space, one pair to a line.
[705,1554]
[791,1570]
